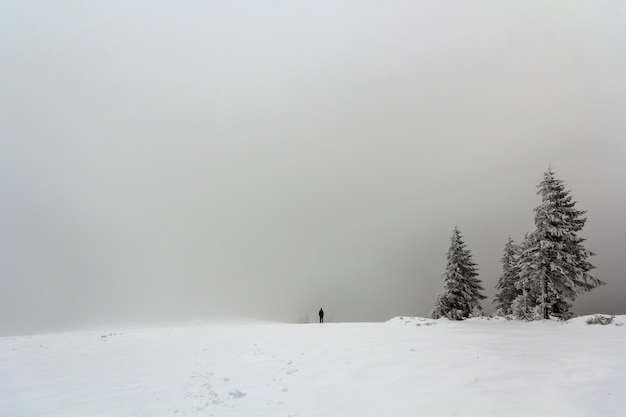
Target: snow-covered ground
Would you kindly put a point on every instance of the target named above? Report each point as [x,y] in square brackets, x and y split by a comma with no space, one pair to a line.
[405,367]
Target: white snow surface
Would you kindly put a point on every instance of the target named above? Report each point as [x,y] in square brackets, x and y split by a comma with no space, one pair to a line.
[405,367]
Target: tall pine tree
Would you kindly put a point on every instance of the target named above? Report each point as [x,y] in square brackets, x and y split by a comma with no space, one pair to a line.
[555,265]
[507,291]
[462,289]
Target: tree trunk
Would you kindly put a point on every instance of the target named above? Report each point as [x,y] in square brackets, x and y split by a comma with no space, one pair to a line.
[544,296]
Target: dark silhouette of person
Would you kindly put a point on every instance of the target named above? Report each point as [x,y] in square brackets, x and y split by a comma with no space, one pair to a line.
[321,316]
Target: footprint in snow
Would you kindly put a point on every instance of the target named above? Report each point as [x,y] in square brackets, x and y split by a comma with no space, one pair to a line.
[237,394]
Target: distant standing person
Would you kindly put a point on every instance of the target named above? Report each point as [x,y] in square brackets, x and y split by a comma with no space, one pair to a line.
[321,316]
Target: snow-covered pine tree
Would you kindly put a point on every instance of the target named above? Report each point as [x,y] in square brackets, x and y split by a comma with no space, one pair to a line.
[507,290]
[556,264]
[524,307]
[462,289]
[441,307]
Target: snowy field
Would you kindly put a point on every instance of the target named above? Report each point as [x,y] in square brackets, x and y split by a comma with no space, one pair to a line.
[405,367]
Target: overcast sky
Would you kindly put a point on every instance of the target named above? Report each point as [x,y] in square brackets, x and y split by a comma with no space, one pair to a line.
[176,162]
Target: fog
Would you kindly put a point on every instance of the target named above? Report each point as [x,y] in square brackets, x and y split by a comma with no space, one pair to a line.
[167,162]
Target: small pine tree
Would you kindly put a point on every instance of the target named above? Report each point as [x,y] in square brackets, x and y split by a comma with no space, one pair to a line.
[528,279]
[462,289]
[521,310]
[506,286]
[554,266]
[441,307]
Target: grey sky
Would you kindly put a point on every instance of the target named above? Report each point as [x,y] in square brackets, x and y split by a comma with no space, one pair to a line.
[180,161]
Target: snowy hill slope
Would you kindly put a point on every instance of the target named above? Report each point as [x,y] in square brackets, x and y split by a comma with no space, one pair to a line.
[405,367]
